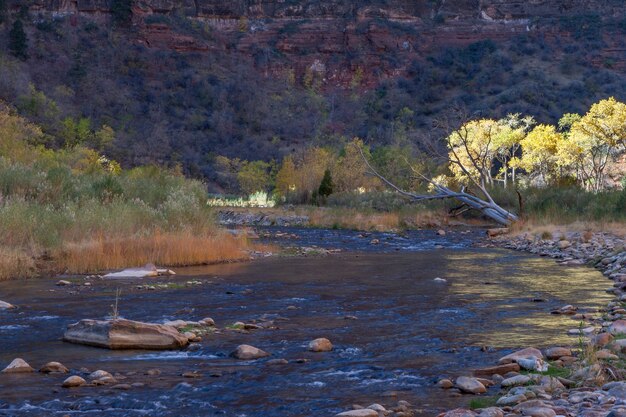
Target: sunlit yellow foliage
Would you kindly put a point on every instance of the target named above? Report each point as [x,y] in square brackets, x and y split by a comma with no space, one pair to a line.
[541,153]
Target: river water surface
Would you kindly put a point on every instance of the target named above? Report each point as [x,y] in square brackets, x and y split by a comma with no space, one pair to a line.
[410,329]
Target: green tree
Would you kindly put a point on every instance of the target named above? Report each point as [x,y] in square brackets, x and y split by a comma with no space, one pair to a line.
[254,176]
[122,12]
[75,132]
[3,10]
[18,41]
[326,186]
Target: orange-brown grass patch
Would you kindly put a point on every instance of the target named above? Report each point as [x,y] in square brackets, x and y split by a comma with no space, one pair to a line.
[167,249]
[16,264]
[556,230]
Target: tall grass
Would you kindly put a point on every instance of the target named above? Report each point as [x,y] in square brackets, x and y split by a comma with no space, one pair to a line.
[67,211]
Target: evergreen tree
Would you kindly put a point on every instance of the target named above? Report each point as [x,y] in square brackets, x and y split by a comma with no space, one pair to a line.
[326,186]
[18,42]
[122,12]
[3,8]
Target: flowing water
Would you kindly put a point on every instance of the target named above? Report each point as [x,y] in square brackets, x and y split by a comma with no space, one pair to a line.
[409,331]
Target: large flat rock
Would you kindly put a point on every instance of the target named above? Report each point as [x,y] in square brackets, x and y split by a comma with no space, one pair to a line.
[124,334]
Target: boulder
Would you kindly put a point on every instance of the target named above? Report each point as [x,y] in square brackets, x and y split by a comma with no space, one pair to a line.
[54,367]
[533,364]
[100,374]
[521,354]
[491,412]
[320,345]
[460,412]
[601,339]
[16,366]
[563,244]
[124,334]
[515,380]
[5,306]
[539,412]
[364,412]
[445,383]
[618,327]
[207,321]
[500,370]
[146,271]
[470,385]
[248,352]
[74,381]
[63,283]
[555,353]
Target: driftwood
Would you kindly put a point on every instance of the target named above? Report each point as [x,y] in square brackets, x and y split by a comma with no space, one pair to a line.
[486,206]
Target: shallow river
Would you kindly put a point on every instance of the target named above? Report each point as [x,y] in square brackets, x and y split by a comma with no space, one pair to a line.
[409,331]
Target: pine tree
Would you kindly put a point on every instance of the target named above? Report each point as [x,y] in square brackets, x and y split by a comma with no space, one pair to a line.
[122,12]
[18,42]
[326,186]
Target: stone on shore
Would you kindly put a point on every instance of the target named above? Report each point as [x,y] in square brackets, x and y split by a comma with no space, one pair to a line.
[18,365]
[555,353]
[470,385]
[74,381]
[247,352]
[618,328]
[320,345]
[499,370]
[491,412]
[521,354]
[125,334]
[5,306]
[54,367]
[515,381]
[533,364]
[460,412]
[497,231]
[563,244]
[364,412]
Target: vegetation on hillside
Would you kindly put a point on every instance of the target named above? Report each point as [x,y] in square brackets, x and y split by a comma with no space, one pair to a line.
[186,108]
[73,210]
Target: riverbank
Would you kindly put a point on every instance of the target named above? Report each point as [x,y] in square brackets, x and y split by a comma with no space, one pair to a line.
[586,379]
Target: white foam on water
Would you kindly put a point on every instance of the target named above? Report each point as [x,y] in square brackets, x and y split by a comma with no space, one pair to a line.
[43,318]
[14,327]
[166,356]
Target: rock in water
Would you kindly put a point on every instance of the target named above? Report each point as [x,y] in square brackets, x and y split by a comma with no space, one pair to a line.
[365,412]
[5,306]
[248,352]
[74,381]
[55,367]
[146,271]
[124,334]
[320,345]
[18,365]
[470,385]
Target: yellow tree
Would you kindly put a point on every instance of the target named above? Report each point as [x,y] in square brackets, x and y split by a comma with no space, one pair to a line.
[595,140]
[350,171]
[286,177]
[541,154]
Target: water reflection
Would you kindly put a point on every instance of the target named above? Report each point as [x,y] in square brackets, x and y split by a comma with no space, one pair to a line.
[410,330]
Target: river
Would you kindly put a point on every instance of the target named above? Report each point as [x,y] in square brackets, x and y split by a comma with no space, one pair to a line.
[410,329]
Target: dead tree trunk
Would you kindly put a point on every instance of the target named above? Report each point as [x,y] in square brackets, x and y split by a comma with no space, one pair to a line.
[486,206]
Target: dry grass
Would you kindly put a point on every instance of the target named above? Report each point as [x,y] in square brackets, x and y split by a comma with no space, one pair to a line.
[542,226]
[16,264]
[164,249]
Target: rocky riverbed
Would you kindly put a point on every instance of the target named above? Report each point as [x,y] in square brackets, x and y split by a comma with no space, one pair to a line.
[588,380]
[374,327]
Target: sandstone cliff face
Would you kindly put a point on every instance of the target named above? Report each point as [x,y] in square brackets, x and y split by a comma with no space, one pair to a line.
[339,9]
[335,38]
